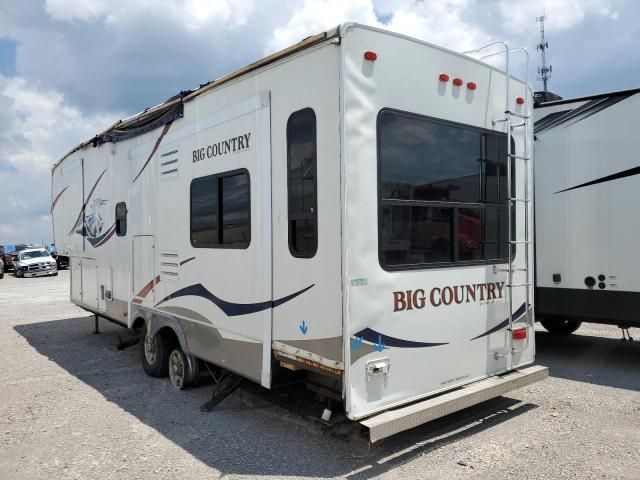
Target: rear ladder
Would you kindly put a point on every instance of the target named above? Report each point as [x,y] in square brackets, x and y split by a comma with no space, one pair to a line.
[523,121]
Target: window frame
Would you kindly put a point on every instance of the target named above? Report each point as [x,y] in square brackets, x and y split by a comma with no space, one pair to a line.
[455,206]
[292,250]
[220,216]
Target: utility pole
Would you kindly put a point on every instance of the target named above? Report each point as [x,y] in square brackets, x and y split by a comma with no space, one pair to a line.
[544,71]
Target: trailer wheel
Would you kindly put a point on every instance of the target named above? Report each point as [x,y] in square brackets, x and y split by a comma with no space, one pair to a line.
[561,327]
[183,369]
[154,354]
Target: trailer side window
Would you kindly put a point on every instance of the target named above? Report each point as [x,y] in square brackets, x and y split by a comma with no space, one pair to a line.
[220,210]
[442,192]
[121,219]
[302,183]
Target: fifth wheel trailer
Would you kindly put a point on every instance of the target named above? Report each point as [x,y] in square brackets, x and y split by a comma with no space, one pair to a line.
[587,175]
[344,208]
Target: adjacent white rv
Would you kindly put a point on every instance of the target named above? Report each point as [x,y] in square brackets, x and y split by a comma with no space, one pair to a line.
[587,175]
[343,207]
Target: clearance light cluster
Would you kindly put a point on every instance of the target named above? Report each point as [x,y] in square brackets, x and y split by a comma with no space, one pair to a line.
[458,82]
[520,101]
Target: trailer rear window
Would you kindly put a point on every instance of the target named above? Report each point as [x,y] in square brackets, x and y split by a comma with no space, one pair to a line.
[442,193]
[220,210]
[302,183]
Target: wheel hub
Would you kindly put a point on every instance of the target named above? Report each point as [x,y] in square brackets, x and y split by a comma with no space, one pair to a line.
[176,369]
[150,349]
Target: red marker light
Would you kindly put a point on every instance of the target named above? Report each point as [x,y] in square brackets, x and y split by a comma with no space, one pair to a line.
[471,86]
[520,101]
[371,56]
[520,334]
[457,82]
[444,77]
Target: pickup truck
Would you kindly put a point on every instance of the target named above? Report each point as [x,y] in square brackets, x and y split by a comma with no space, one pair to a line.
[34,262]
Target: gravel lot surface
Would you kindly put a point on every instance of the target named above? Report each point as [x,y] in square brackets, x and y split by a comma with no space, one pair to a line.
[73,406]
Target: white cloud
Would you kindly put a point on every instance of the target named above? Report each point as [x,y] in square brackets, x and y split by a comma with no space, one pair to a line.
[193,14]
[442,23]
[38,126]
[561,15]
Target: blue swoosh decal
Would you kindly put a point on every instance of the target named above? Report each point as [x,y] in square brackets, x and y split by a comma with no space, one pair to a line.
[373,336]
[505,323]
[229,308]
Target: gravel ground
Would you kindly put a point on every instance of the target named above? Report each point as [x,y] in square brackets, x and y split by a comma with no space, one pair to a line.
[73,406]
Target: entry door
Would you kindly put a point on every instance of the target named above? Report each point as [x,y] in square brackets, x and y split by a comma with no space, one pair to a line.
[143,272]
[89,282]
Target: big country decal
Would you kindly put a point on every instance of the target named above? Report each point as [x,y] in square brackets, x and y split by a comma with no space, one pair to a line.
[482,293]
[231,145]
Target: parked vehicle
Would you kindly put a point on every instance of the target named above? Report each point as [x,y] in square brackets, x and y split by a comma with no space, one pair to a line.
[34,262]
[343,208]
[586,221]
[1,263]
[11,253]
[62,261]
[7,257]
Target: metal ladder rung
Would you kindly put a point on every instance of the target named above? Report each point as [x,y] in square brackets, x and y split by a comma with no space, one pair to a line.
[512,270]
[524,200]
[519,115]
[524,242]
[518,125]
[518,157]
[513,285]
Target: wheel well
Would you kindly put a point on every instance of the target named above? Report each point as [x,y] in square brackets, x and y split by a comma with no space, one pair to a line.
[138,324]
[170,337]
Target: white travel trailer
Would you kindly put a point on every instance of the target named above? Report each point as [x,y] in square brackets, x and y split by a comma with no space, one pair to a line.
[340,208]
[587,225]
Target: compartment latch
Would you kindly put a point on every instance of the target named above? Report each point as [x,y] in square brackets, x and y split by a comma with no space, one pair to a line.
[378,368]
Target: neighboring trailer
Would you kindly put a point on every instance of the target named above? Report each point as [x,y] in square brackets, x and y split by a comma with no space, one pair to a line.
[339,208]
[587,175]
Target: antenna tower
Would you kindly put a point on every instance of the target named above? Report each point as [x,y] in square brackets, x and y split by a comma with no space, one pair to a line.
[544,71]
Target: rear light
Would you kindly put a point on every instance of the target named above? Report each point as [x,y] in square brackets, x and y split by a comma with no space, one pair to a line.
[457,82]
[371,56]
[520,334]
[443,77]
[471,86]
[520,101]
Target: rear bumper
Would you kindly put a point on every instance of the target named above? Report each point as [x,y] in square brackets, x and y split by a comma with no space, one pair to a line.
[394,421]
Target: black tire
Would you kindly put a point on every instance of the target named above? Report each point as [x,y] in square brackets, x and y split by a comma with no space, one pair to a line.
[55,274]
[1,274]
[18,273]
[185,372]
[154,365]
[561,327]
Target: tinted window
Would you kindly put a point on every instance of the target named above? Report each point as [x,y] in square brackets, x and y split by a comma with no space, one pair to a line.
[220,211]
[442,192]
[302,184]
[121,219]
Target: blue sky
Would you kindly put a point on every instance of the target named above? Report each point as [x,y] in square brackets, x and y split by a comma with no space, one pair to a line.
[69,68]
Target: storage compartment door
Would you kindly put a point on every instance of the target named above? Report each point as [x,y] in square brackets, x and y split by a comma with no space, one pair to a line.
[76,279]
[89,282]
